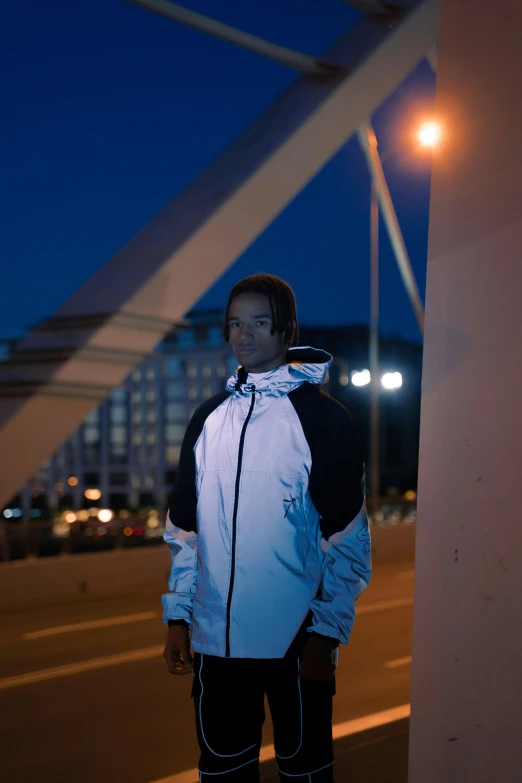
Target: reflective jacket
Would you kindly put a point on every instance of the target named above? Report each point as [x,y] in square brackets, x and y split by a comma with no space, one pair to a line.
[267,524]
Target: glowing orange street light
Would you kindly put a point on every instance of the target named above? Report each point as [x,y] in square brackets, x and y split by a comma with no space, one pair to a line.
[429,134]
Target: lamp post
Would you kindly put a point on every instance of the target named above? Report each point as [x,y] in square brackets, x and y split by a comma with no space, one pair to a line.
[428,136]
[375,466]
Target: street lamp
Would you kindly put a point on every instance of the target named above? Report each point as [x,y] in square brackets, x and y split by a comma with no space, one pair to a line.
[391,380]
[361,377]
[429,134]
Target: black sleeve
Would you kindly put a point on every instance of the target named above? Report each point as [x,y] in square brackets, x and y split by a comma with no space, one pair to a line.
[183,501]
[336,477]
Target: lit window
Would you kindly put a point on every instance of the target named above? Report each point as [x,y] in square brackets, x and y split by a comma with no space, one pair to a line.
[207,392]
[193,393]
[175,410]
[174,433]
[136,376]
[118,434]
[136,439]
[192,370]
[151,396]
[222,369]
[136,417]
[118,414]
[149,481]
[119,395]
[136,398]
[136,482]
[175,390]
[90,435]
[172,454]
[206,370]
[151,374]
[151,439]
[151,417]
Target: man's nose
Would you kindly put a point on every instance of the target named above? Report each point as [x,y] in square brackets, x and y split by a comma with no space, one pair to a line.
[245,332]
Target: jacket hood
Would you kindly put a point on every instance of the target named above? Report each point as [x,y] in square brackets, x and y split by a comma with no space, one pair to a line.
[304,365]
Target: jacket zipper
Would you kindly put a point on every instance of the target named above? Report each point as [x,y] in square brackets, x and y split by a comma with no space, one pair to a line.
[234,520]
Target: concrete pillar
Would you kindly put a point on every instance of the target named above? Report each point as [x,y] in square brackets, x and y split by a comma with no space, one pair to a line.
[467,651]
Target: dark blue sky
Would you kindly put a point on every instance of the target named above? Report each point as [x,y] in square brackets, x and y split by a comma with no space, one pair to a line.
[108,111]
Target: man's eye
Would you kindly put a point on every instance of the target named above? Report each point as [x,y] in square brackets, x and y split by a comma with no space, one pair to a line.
[261,323]
[234,324]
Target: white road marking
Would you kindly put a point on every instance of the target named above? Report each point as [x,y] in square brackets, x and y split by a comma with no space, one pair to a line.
[339,730]
[78,668]
[142,654]
[383,606]
[105,623]
[406,575]
[398,662]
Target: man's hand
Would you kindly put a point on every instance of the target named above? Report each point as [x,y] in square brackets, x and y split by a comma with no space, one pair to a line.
[317,662]
[177,650]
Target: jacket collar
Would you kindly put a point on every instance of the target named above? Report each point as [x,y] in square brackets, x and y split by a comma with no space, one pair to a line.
[304,365]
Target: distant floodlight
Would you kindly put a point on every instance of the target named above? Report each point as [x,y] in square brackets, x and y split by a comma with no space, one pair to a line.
[392,380]
[361,378]
[8,513]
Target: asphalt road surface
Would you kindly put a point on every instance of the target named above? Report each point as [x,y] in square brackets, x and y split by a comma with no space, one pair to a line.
[85,695]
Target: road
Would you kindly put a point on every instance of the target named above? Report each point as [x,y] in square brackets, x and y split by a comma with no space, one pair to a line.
[86,697]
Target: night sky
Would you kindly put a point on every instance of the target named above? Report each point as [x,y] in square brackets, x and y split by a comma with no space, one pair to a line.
[109,110]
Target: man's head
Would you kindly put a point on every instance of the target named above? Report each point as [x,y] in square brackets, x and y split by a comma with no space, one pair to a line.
[261,322]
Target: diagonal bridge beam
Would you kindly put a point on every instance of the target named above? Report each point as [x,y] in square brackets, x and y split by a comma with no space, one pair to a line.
[68,364]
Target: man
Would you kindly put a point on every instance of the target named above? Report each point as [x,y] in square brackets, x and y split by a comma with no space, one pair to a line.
[270,548]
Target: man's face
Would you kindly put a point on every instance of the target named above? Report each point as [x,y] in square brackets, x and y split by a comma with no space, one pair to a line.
[250,324]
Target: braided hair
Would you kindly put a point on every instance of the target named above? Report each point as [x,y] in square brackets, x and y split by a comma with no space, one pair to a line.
[282,304]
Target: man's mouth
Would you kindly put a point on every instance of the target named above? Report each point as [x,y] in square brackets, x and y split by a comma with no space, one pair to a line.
[245,350]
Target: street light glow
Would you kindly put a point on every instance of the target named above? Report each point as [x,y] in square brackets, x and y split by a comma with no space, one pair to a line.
[105,515]
[92,494]
[429,134]
[392,380]
[361,378]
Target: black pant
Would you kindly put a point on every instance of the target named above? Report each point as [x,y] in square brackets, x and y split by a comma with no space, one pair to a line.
[229,701]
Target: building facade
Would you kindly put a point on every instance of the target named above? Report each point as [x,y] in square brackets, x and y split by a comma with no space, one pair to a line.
[125,454]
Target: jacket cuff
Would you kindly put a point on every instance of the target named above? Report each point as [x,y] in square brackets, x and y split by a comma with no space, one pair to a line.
[183,623]
[335,642]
